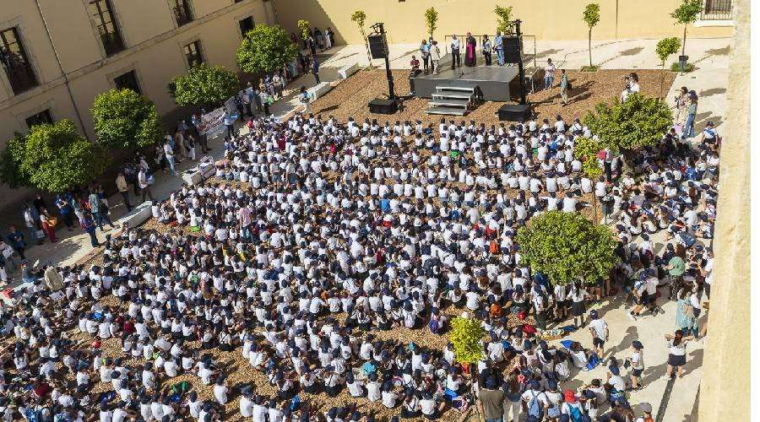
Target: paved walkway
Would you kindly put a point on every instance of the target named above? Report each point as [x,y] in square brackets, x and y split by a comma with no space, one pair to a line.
[675,399]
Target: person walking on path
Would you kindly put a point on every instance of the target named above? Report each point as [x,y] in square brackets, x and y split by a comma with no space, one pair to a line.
[636,361]
[315,69]
[564,85]
[599,331]
[145,181]
[88,225]
[676,353]
[123,187]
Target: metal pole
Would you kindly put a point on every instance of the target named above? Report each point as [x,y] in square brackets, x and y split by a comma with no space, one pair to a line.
[388,74]
[63,72]
[521,68]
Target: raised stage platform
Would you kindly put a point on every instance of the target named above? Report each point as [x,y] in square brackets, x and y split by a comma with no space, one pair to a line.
[493,81]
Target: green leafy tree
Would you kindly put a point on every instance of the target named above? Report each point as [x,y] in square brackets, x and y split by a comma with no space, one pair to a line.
[591,17]
[666,47]
[305,28]
[567,247]
[466,334]
[627,126]
[265,49]
[53,158]
[503,19]
[125,119]
[585,150]
[359,17]
[205,86]
[431,20]
[687,13]
[10,163]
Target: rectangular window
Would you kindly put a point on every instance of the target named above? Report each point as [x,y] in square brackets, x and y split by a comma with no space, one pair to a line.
[128,81]
[716,10]
[43,117]
[182,12]
[15,61]
[193,54]
[108,30]
[246,25]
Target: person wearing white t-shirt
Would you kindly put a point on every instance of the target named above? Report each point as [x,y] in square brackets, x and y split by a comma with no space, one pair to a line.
[599,331]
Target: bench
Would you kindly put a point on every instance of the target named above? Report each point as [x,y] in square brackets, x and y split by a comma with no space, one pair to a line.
[138,215]
[319,90]
[346,71]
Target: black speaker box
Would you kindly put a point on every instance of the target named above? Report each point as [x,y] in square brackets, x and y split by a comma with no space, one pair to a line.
[377,46]
[381,106]
[512,49]
[514,112]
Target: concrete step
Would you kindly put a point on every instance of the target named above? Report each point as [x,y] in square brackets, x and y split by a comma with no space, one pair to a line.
[447,95]
[452,111]
[449,102]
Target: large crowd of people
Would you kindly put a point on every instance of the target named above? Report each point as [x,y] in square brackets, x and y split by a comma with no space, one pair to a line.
[317,238]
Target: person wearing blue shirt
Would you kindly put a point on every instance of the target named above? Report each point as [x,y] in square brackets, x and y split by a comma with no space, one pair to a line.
[315,69]
[498,45]
[16,240]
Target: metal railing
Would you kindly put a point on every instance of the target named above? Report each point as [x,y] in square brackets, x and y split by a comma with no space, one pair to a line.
[479,37]
[717,10]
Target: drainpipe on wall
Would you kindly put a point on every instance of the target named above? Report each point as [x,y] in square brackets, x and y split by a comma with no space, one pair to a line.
[617,8]
[65,77]
[274,11]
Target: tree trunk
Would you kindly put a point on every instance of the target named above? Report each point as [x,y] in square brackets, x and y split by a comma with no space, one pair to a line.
[662,78]
[590,64]
[366,44]
[683,45]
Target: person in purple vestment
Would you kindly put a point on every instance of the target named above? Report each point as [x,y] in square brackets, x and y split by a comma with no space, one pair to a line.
[470,59]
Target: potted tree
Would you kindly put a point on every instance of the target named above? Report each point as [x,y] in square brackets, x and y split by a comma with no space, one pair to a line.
[687,13]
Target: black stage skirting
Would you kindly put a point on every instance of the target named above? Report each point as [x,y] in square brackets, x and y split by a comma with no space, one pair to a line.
[493,81]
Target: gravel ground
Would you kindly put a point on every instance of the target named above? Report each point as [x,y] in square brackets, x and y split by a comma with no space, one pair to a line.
[350,97]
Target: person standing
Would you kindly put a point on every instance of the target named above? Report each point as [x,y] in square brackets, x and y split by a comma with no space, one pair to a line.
[315,69]
[549,70]
[498,45]
[456,58]
[471,47]
[435,57]
[17,241]
[31,217]
[691,116]
[190,144]
[487,50]
[88,225]
[425,54]
[145,181]
[123,187]
[491,401]
[229,123]
[99,211]
[564,85]
[48,225]
[65,209]
[169,154]
[599,331]
[328,39]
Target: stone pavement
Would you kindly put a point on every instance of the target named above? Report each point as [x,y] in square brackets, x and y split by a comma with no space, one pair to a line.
[673,401]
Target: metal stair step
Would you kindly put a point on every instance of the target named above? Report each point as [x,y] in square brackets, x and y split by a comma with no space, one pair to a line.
[455,88]
[446,110]
[446,95]
[449,102]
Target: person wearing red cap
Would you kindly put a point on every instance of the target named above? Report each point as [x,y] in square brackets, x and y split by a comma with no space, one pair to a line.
[572,407]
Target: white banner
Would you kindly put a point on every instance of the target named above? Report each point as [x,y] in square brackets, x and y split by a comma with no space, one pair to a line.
[212,122]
